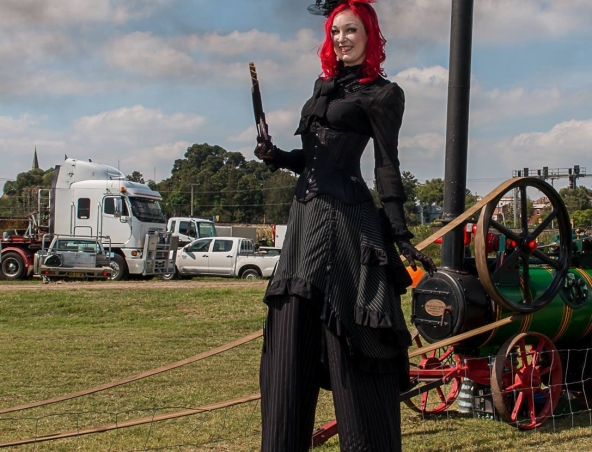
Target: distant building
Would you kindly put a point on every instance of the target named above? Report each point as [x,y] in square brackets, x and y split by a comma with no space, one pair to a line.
[430,213]
[503,209]
[35,160]
[539,209]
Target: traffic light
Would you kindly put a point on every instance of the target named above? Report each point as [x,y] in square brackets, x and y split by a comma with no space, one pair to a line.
[572,181]
[545,172]
[576,170]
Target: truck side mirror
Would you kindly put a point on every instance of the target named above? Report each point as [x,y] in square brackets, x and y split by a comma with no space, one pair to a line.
[118,207]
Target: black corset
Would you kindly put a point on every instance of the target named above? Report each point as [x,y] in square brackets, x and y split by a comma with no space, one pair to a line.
[333,165]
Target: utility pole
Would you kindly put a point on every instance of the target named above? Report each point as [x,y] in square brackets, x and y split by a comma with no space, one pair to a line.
[192,185]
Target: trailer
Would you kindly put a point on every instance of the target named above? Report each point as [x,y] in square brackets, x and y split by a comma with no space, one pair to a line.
[73,257]
[92,199]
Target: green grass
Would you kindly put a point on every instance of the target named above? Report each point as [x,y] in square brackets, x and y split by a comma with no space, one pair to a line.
[58,342]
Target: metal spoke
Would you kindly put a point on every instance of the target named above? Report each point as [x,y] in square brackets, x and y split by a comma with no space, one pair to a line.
[516,262]
[504,230]
[526,280]
[547,259]
[523,355]
[531,408]
[517,406]
[544,224]
[523,209]
[424,401]
[508,261]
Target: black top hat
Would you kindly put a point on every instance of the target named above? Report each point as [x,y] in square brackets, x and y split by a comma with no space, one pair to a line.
[324,7]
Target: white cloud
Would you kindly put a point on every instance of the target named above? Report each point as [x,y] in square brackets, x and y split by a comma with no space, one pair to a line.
[491,106]
[48,82]
[569,140]
[23,13]
[213,57]
[137,126]
[34,46]
[509,21]
[10,126]
[18,138]
[426,91]
[425,99]
[495,21]
[238,43]
[134,139]
[562,146]
[137,138]
[150,56]
[153,159]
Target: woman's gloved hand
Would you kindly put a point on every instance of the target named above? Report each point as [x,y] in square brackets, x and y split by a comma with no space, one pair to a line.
[412,254]
[266,151]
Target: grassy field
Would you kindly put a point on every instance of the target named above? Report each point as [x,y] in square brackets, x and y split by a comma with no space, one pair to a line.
[57,342]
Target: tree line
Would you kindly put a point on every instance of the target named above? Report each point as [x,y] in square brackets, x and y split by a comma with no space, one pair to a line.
[211,181]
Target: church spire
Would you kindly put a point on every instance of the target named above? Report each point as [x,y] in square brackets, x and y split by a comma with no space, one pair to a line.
[35,160]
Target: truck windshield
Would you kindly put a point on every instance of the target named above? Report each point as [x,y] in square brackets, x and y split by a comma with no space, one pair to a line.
[147,210]
[206,229]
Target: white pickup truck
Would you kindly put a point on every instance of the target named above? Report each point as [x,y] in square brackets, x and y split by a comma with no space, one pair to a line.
[223,256]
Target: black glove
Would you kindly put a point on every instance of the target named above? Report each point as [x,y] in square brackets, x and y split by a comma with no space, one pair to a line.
[266,151]
[411,254]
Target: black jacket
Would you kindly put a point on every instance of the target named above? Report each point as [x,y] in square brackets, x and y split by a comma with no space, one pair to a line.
[336,124]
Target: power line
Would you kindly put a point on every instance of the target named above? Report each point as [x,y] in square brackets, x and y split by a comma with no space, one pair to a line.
[229,191]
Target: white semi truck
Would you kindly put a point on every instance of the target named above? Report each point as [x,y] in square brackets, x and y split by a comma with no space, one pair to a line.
[94,200]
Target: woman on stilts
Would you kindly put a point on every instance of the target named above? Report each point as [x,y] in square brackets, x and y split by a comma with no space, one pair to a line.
[334,319]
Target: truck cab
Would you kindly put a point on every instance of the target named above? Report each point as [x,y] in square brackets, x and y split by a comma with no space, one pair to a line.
[189,229]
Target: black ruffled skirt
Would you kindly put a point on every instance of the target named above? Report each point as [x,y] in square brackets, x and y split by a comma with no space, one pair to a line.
[339,254]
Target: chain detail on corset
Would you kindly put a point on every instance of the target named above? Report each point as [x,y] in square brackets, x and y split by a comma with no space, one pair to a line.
[346,87]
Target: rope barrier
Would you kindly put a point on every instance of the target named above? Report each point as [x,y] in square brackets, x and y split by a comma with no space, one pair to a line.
[149,373]
[135,422]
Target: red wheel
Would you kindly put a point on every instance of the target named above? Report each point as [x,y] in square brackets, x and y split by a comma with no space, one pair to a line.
[527,379]
[432,367]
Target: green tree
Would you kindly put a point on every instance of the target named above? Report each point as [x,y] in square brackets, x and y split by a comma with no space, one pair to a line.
[431,193]
[21,194]
[410,184]
[223,183]
[136,176]
[575,199]
[582,218]
[278,195]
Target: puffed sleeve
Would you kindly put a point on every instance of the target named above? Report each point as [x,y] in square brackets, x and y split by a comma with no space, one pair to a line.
[386,115]
[316,106]
[293,160]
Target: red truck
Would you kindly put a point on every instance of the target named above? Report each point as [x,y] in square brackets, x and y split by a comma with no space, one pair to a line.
[17,252]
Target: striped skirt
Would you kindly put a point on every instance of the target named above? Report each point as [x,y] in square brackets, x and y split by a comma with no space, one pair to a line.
[338,254]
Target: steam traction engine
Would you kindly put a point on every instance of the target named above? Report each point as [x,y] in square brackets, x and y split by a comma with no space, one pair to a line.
[500,318]
[517,298]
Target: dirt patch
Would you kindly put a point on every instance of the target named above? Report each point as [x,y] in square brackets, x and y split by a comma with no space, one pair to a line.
[109,285]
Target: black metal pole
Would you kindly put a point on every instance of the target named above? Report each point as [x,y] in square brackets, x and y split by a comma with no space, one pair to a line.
[457,130]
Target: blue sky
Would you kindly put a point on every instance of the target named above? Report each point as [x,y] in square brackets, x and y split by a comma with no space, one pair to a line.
[134,83]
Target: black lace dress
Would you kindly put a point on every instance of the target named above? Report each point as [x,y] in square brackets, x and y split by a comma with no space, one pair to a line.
[339,249]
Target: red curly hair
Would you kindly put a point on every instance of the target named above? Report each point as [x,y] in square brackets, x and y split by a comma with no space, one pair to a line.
[375,54]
